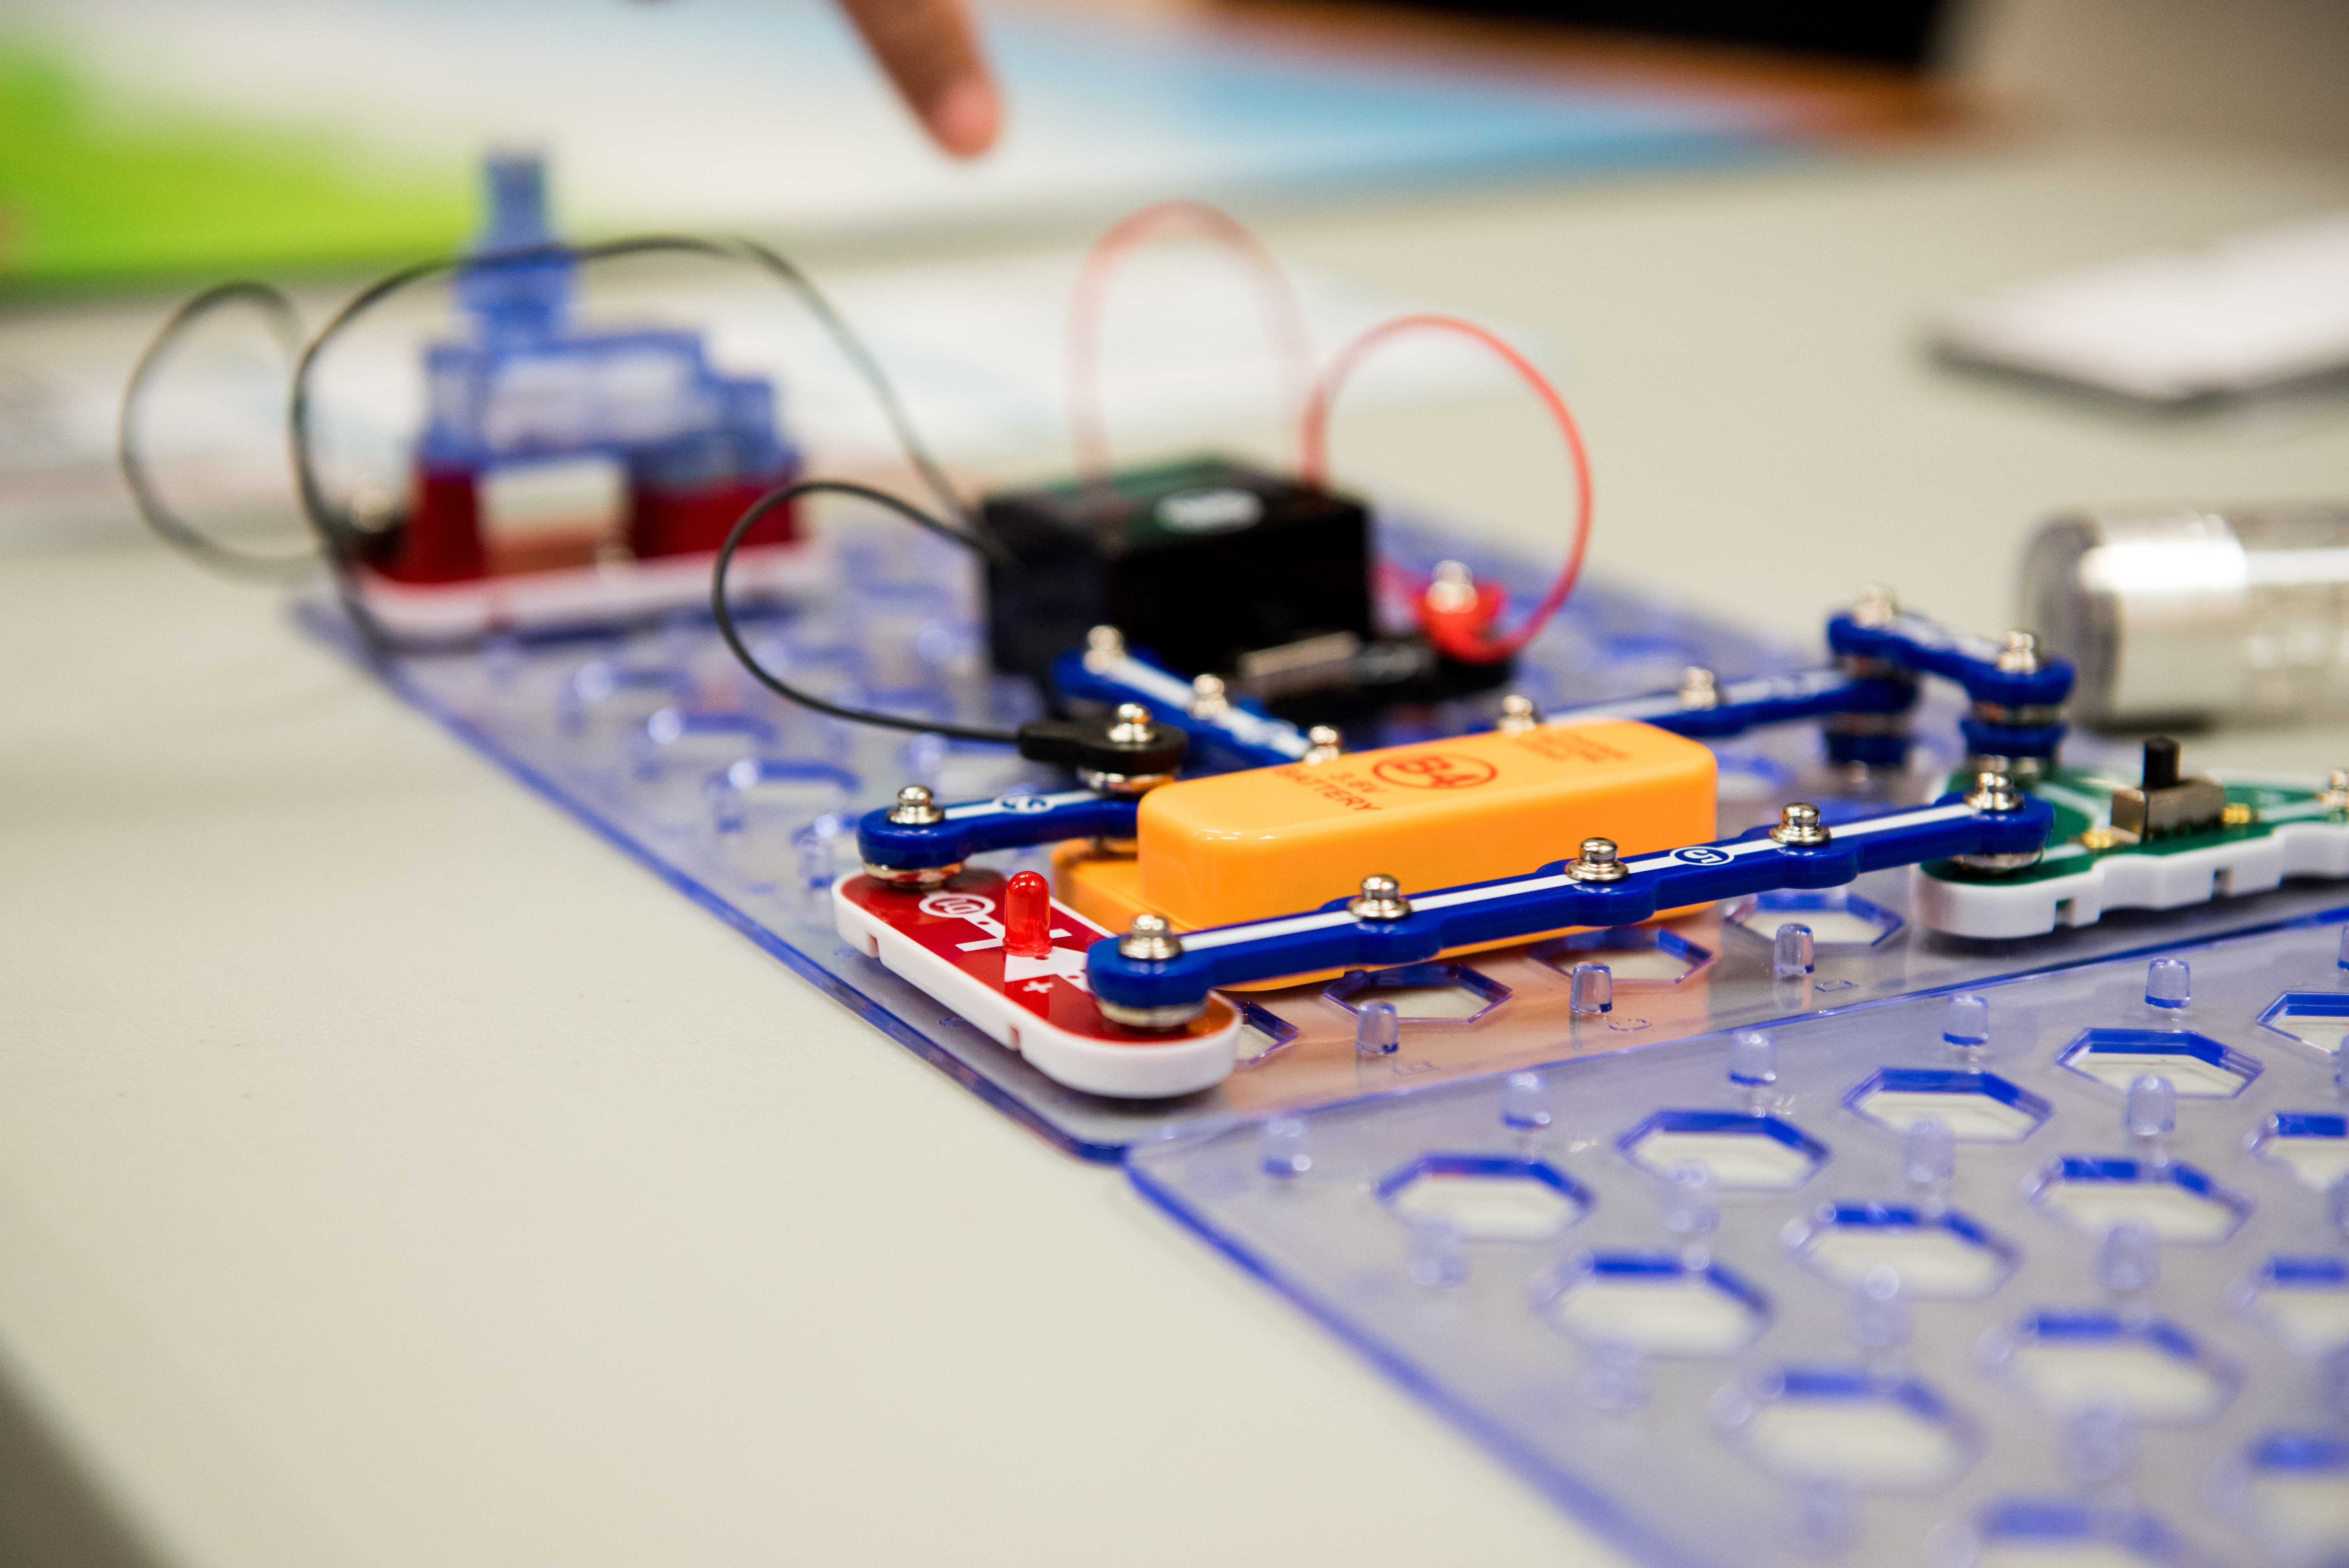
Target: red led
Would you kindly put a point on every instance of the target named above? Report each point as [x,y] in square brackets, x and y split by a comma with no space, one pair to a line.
[1028,916]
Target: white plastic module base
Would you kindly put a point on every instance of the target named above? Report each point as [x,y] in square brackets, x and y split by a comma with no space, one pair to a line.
[438,614]
[2129,880]
[948,942]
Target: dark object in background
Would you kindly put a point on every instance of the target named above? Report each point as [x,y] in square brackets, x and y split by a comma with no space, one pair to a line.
[1198,562]
[1213,568]
[1888,32]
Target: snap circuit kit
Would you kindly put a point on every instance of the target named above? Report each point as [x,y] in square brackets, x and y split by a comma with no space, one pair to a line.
[1793,1106]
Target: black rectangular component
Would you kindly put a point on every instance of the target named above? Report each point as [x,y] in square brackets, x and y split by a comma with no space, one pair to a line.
[1196,562]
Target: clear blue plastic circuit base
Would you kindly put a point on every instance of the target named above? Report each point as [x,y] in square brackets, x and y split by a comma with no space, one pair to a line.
[1809,1236]
[654,739]
[1907,1302]
[652,736]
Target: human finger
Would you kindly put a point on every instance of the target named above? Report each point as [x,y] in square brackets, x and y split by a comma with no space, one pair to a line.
[930,52]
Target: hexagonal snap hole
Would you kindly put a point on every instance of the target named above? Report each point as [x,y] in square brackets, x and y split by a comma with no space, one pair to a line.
[1980,1107]
[697,743]
[1844,1425]
[1655,1303]
[2176,1202]
[1421,993]
[1635,954]
[2070,1532]
[2307,1299]
[2318,1019]
[2298,1485]
[2312,1145]
[1485,1198]
[2071,1361]
[1837,918]
[1262,1032]
[1945,1256]
[2198,1067]
[1756,1153]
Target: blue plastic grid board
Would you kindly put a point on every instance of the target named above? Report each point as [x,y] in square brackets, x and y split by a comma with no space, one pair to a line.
[1739,1323]
[653,736]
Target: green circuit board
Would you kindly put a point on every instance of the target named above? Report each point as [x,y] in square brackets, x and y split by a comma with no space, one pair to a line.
[2084,834]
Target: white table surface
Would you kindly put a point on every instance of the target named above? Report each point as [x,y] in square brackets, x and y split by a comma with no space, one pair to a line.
[392,1175]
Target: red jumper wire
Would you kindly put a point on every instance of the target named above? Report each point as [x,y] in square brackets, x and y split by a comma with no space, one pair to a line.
[1461,626]
[1284,317]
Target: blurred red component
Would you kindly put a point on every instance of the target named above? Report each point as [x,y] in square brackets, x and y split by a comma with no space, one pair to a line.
[1461,626]
[443,540]
[694,522]
[1028,916]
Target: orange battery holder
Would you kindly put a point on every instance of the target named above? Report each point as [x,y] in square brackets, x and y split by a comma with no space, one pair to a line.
[1274,840]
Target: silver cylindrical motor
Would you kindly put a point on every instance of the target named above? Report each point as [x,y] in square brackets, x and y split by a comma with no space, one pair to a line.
[2177,616]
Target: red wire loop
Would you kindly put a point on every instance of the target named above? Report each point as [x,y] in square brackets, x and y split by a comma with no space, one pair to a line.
[1284,317]
[1461,632]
